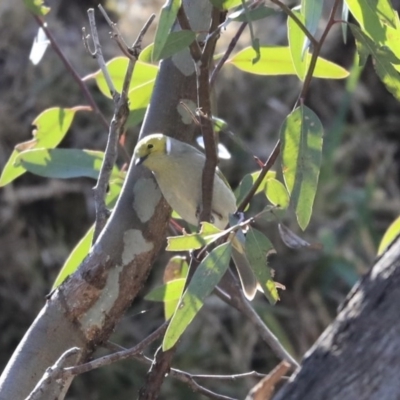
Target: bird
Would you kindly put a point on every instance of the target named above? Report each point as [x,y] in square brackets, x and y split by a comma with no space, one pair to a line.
[178,168]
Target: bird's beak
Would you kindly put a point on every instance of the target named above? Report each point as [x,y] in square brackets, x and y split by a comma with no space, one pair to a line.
[140,160]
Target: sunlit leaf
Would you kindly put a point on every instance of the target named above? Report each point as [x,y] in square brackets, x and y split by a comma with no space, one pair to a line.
[50,128]
[257,248]
[301,136]
[142,74]
[192,241]
[390,235]
[37,7]
[63,163]
[39,46]
[276,193]
[171,290]
[247,182]
[139,99]
[145,54]
[207,276]
[383,60]
[226,4]
[278,61]
[168,15]
[296,39]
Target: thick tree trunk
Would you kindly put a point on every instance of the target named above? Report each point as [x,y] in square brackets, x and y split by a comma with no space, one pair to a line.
[358,355]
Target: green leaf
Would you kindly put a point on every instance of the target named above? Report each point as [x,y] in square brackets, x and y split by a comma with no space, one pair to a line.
[247,182]
[311,11]
[257,248]
[383,60]
[276,193]
[63,163]
[142,74]
[50,128]
[301,137]
[208,234]
[176,41]
[373,18]
[296,39]
[37,7]
[75,258]
[204,280]
[139,99]
[390,235]
[171,290]
[167,18]
[254,14]
[145,54]
[225,4]
[278,61]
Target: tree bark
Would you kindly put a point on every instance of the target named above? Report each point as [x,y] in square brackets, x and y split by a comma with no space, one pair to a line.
[84,310]
[358,355]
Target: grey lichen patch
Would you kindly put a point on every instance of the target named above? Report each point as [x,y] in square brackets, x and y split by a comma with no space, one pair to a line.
[184,62]
[187,110]
[95,315]
[134,244]
[146,196]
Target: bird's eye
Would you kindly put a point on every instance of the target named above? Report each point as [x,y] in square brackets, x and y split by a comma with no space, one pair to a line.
[150,146]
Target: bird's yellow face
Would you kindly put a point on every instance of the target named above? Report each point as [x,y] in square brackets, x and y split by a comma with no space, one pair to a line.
[150,145]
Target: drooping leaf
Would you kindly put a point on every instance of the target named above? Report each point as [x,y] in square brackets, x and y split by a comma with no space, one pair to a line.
[204,280]
[390,235]
[176,41]
[375,24]
[192,241]
[301,137]
[311,11]
[383,60]
[168,15]
[257,248]
[50,128]
[277,60]
[142,74]
[294,241]
[63,163]
[296,39]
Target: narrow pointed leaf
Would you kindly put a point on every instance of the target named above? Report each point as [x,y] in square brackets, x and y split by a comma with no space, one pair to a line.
[171,290]
[167,18]
[225,4]
[390,235]
[257,248]
[301,137]
[254,14]
[204,280]
[296,39]
[277,60]
[63,163]
[311,11]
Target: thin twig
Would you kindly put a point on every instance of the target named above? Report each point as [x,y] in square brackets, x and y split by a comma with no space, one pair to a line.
[228,52]
[292,15]
[230,292]
[119,355]
[72,71]
[121,113]
[97,52]
[267,166]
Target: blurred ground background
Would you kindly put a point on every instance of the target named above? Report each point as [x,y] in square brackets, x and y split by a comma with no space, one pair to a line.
[42,220]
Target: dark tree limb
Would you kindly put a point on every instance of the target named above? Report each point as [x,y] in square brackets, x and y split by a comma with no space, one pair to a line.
[358,355]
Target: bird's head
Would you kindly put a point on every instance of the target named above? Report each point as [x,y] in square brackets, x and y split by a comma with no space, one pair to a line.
[152,145]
